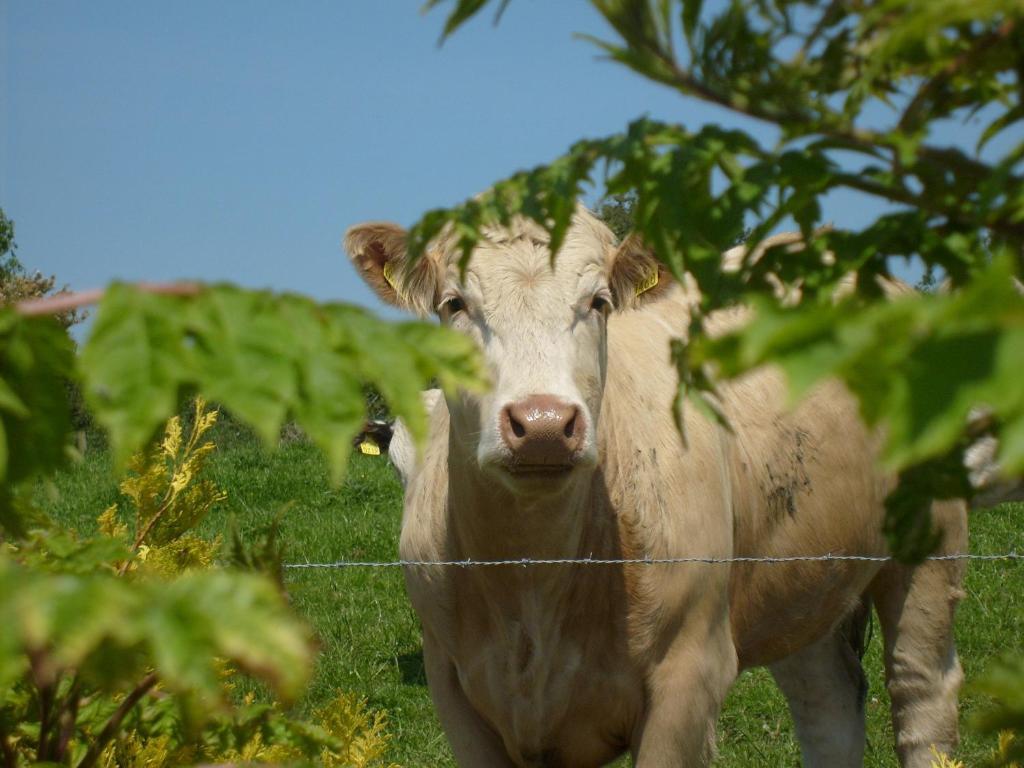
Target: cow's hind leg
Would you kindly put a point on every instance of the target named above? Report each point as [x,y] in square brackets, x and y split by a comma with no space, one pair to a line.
[825,688]
[915,608]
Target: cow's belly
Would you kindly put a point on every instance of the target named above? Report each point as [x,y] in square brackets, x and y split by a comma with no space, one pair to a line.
[555,708]
[777,609]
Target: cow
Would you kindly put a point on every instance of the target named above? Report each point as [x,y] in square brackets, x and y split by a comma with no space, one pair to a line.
[573,454]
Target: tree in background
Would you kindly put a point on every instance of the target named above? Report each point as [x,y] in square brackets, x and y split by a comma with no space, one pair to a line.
[7,244]
[619,213]
[18,285]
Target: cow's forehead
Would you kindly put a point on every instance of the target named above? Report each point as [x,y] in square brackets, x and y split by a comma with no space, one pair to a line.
[517,260]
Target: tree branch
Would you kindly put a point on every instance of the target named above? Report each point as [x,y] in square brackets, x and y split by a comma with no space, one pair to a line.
[866,140]
[46,683]
[68,719]
[1010,229]
[982,45]
[55,305]
[64,719]
[113,725]
[146,529]
[10,757]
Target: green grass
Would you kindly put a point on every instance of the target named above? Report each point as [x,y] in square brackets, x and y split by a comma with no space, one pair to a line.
[369,636]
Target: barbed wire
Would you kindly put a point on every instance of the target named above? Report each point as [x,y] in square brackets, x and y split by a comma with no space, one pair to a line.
[529,561]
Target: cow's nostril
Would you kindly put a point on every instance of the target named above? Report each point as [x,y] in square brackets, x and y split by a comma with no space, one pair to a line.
[542,431]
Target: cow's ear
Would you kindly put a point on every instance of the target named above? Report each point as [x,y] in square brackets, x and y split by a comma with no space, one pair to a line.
[635,276]
[378,251]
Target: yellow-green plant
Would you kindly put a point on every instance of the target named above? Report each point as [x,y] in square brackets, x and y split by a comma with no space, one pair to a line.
[349,736]
[342,734]
[1004,750]
[363,733]
[942,760]
[170,498]
[127,647]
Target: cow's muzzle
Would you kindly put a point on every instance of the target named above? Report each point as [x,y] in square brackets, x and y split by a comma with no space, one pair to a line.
[543,433]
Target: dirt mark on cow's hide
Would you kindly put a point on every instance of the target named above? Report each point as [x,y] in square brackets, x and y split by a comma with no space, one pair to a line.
[786,472]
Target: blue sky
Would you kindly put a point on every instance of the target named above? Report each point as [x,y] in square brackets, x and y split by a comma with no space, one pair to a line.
[237,140]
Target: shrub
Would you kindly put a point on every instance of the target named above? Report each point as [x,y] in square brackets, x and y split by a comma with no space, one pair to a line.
[124,649]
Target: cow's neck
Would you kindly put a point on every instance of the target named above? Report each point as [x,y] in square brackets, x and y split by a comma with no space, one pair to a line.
[492,523]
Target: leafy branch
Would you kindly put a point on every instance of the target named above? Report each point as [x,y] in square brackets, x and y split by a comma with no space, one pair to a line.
[113,725]
[916,112]
[69,607]
[959,214]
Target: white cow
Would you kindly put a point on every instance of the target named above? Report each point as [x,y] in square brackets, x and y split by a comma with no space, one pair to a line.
[573,454]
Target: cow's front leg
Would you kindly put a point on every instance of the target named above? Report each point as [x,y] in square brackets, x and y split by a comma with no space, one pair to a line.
[473,742]
[685,694]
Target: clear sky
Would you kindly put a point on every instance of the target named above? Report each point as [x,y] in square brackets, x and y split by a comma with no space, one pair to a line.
[237,140]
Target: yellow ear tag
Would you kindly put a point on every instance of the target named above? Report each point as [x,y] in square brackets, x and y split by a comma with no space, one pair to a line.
[369,447]
[648,282]
[389,276]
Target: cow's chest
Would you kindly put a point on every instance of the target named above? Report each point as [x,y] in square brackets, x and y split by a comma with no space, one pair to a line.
[560,692]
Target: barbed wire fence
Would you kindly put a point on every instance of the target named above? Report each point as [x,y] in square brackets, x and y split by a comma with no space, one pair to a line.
[1012,556]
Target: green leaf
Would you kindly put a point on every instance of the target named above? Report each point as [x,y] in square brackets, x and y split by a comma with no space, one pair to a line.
[691,16]
[60,551]
[463,11]
[248,623]
[183,628]
[1008,118]
[12,661]
[329,406]
[244,354]
[10,402]
[134,365]
[72,616]
[267,358]
[35,364]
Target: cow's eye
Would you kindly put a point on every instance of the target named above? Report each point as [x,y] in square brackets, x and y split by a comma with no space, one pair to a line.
[601,303]
[452,304]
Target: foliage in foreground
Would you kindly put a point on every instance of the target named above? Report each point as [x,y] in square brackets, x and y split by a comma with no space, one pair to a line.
[119,648]
[268,358]
[821,73]
[122,649]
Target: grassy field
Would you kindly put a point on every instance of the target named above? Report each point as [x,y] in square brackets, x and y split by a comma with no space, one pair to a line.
[370,637]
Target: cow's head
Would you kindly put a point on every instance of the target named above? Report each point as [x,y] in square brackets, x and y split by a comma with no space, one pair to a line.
[542,328]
